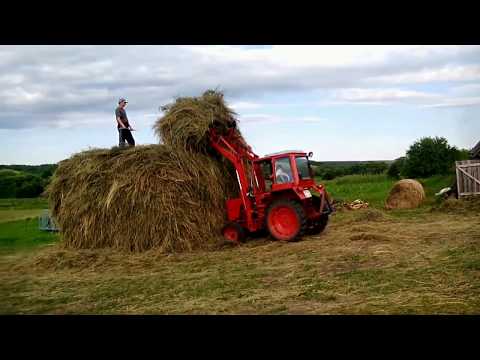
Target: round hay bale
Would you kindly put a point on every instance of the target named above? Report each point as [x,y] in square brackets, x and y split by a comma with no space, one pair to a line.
[140,198]
[405,194]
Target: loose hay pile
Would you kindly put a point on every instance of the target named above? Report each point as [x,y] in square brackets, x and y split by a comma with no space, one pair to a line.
[458,206]
[405,194]
[169,197]
[187,121]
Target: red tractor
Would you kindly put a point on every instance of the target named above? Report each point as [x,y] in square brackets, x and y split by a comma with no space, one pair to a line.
[277,192]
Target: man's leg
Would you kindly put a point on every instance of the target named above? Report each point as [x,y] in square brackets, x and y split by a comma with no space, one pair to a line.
[121,138]
[129,137]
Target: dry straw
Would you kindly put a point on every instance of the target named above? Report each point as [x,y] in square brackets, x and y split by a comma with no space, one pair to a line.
[187,121]
[169,197]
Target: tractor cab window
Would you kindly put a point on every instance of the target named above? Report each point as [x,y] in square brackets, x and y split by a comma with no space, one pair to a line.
[283,171]
[267,172]
[303,167]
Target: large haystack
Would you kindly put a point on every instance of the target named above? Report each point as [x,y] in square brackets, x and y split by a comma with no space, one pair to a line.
[170,196]
[405,194]
[140,198]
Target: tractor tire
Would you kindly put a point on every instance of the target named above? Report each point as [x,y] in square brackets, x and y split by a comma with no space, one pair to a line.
[286,220]
[233,232]
[318,226]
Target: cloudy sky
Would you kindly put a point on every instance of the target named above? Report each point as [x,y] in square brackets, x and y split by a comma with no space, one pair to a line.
[341,102]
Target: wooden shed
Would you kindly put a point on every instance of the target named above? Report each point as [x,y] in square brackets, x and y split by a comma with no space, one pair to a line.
[468,174]
[475,152]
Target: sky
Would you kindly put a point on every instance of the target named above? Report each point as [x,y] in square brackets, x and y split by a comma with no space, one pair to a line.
[340,102]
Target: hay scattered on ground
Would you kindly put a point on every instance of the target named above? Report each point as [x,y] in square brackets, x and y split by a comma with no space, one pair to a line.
[462,205]
[367,236]
[368,215]
[60,258]
[405,194]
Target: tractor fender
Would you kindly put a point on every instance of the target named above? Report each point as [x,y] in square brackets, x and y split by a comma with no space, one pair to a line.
[300,192]
[296,193]
[289,194]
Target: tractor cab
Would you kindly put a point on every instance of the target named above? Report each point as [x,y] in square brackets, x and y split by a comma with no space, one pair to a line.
[286,169]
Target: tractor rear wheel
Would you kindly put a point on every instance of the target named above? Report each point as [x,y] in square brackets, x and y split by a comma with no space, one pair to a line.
[233,232]
[286,220]
[319,225]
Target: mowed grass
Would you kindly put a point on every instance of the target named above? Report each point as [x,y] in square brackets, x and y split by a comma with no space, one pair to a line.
[368,261]
[19,209]
[361,265]
[23,204]
[11,215]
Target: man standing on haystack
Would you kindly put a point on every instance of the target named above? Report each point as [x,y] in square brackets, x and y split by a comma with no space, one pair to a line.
[123,126]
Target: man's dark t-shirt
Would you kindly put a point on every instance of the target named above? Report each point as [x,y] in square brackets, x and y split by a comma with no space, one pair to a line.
[122,114]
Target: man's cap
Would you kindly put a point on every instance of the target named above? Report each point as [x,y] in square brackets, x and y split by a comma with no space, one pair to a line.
[122,100]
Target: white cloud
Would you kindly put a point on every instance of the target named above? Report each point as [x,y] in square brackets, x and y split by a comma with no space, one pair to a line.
[328,55]
[381,96]
[262,118]
[456,102]
[46,81]
[21,96]
[467,90]
[245,105]
[447,73]
[388,96]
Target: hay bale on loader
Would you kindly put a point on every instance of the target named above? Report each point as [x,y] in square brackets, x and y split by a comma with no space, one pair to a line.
[186,121]
[169,197]
[405,194]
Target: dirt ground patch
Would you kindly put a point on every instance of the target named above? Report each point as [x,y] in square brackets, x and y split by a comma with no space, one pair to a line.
[362,264]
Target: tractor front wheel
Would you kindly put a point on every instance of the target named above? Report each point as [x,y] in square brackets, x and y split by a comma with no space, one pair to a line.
[286,220]
[319,225]
[233,232]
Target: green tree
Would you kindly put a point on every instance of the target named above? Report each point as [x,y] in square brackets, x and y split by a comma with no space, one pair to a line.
[17,184]
[47,173]
[462,154]
[396,168]
[429,156]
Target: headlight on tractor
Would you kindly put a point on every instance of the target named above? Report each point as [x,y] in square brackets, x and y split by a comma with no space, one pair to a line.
[307,193]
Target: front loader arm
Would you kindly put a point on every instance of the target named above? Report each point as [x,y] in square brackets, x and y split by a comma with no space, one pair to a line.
[232,147]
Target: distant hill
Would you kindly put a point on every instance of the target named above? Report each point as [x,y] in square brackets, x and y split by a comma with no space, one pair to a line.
[24,181]
[44,170]
[328,170]
[348,163]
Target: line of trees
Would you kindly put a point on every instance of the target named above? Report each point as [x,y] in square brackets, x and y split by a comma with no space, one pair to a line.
[24,181]
[329,172]
[426,157]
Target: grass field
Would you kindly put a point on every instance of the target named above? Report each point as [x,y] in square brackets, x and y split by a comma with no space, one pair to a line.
[18,209]
[21,235]
[19,225]
[425,261]
[23,204]
[374,188]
